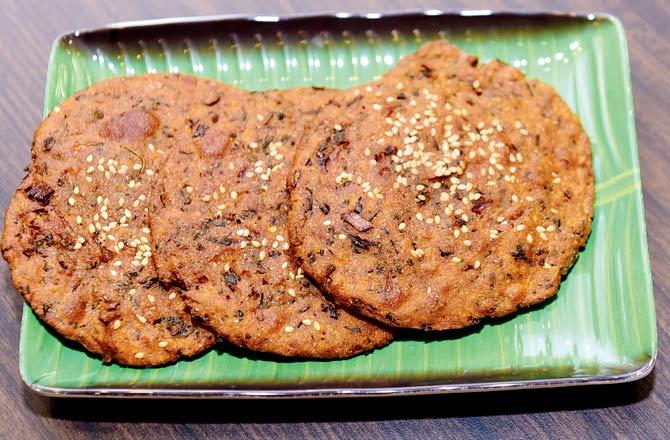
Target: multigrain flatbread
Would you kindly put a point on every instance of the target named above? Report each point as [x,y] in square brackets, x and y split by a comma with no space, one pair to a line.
[219,229]
[77,235]
[453,193]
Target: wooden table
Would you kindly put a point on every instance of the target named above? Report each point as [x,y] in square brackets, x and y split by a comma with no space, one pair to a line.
[27,29]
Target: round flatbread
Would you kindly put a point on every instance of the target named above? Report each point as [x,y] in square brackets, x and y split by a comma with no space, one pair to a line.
[77,235]
[454,193]
[219,229]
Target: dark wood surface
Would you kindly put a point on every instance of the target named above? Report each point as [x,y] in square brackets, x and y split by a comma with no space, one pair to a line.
[638,410]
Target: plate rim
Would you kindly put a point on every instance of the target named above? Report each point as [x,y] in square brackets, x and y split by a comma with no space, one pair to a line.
[296,393]
[637,372]
[370,15]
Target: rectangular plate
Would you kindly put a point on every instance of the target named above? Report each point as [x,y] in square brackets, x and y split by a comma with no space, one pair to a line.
[600,329]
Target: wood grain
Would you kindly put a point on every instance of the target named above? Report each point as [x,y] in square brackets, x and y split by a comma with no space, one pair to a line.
[638,410]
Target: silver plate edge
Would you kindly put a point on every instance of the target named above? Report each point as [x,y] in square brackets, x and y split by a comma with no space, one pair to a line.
[289,393]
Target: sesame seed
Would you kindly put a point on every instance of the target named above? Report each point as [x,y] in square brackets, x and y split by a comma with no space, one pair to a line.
[118,263]
[337,127]
[71,201]
[456,260]
[91,228]
[543,236]
[477,264]
[417,253]
[402,226]
[142,319]
[317,326]
[139,355]
[116,324]
[291,292]
[113,272]
[162,344]
[79,220]
[172,295]
[529,238]
[327,222]
[520,227]
[539,229]
[288,329]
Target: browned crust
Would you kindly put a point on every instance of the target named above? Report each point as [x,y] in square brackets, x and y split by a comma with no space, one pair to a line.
[220,226]
[426,276]
[68,274]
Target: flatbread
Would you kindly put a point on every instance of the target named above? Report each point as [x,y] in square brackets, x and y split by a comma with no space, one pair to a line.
[455,193]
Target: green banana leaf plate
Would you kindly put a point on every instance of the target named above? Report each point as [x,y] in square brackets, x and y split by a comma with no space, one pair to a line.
[600,328]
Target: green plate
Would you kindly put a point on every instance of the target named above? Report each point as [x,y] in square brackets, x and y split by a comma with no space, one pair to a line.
[601,328]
